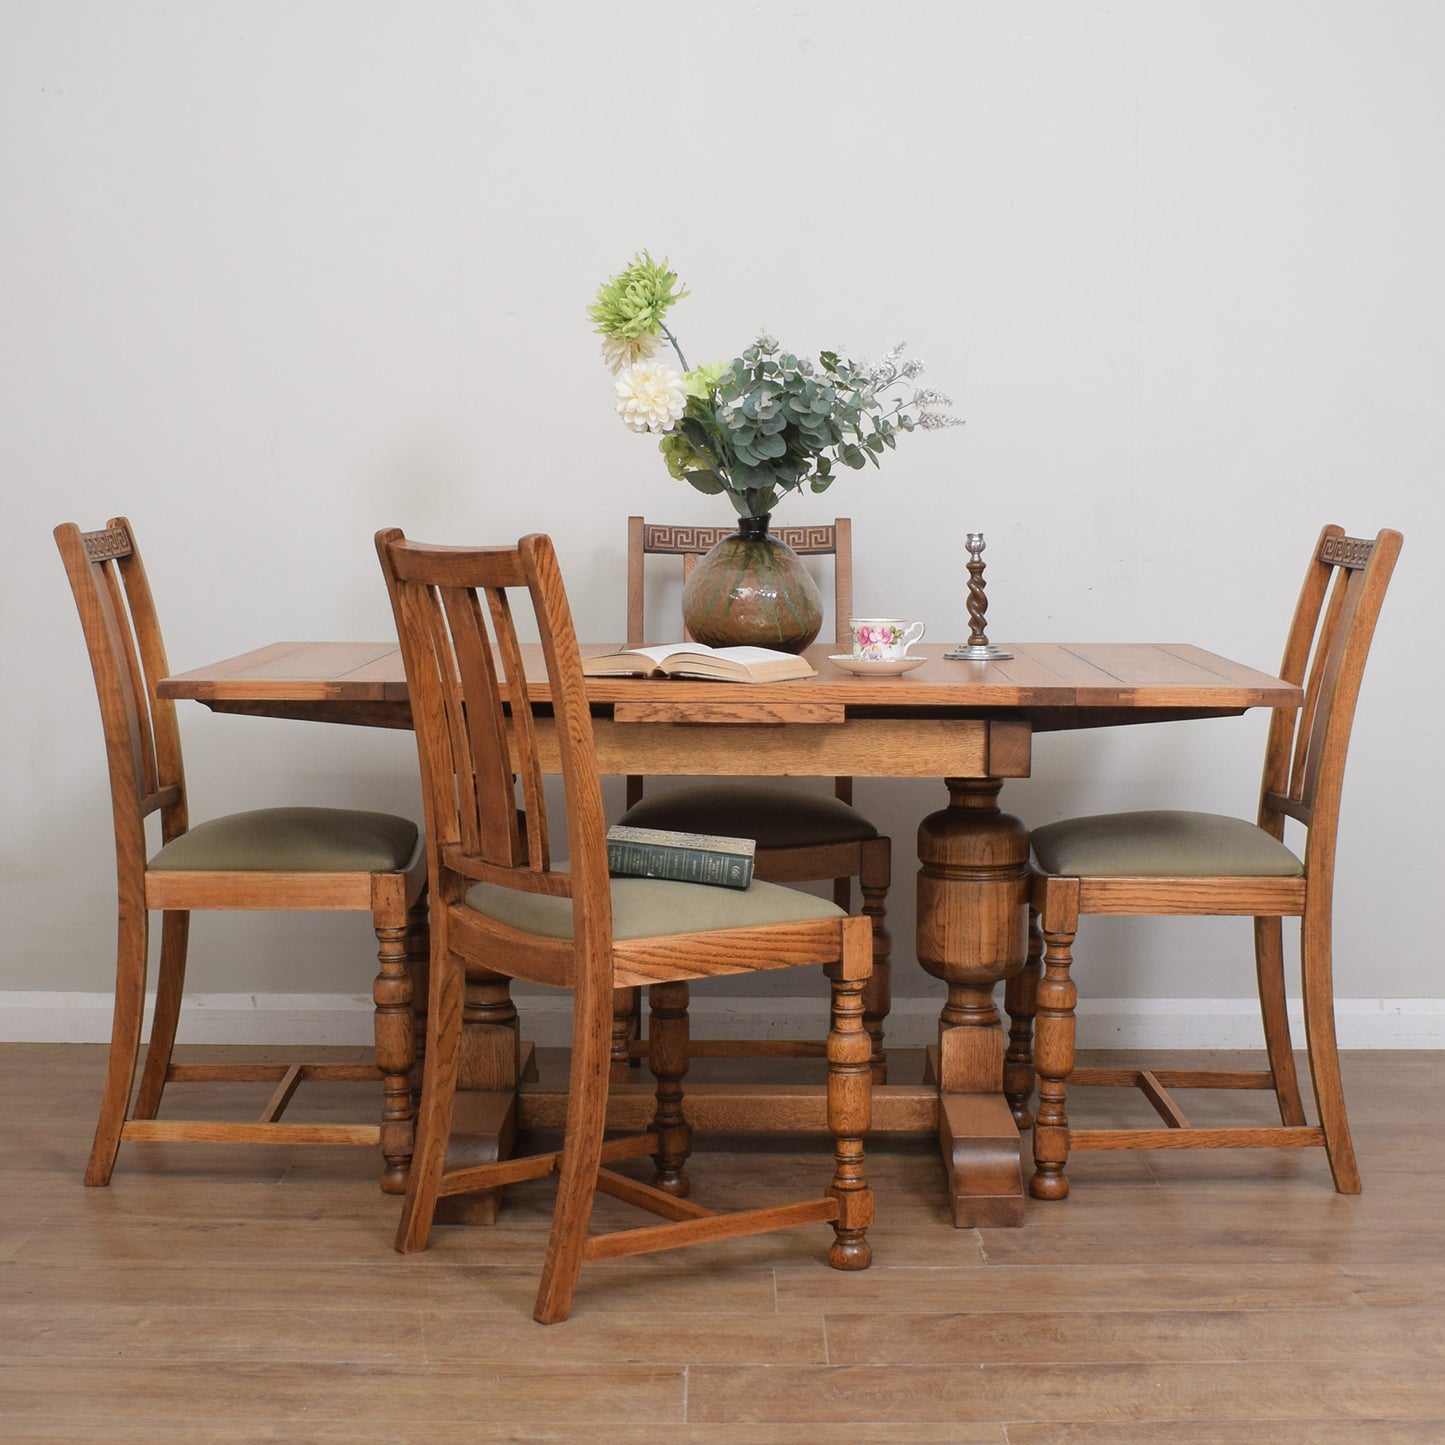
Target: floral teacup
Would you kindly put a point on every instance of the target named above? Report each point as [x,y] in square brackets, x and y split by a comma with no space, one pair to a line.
[883,639]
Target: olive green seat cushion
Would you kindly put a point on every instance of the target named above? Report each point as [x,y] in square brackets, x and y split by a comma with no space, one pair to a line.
[1161,844]
[651,907]
[293,840]
[774,817]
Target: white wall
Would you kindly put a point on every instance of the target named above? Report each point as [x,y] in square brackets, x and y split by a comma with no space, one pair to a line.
[277,274]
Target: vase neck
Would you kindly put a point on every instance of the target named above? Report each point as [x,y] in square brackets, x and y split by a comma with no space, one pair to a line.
[754,528]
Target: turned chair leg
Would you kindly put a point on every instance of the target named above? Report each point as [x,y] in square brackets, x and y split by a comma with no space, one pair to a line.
[667,1051]
[395,1052]
[1054,1053]
[874,877]
[849,1118]
[626,1026]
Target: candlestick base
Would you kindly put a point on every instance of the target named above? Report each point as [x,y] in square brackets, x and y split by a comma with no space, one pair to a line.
[987,652]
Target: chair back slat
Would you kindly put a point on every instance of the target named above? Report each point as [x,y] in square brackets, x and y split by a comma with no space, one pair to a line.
[576,746]
[1312,677]
[476,725]
[526,758]
[476,735]
[122,668]
[1324,685]
[127,655]
[1325,655]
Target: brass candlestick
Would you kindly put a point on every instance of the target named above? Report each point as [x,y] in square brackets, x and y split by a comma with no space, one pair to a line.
[978,648]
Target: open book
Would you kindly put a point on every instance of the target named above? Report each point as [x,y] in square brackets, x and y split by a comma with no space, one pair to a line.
[692,659]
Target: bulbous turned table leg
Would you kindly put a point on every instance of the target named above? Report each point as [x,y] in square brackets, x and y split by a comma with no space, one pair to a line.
[972,932]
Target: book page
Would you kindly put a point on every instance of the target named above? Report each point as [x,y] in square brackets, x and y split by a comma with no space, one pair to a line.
[663,651]
[680,659]
[637,659]
[746,656]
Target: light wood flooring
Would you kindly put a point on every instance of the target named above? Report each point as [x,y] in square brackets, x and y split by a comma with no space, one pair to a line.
[253,1295]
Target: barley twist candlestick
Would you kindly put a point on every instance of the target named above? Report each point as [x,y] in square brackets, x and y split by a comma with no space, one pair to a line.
[978,648]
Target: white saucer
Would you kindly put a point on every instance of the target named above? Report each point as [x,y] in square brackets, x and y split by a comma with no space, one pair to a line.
[878,666]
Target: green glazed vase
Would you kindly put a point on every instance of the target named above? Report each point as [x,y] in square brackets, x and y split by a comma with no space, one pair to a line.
[751,590]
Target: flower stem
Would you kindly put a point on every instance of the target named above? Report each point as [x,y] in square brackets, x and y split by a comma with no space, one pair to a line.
[675,346]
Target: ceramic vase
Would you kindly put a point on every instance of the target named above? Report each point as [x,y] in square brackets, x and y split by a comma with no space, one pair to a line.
[752,590]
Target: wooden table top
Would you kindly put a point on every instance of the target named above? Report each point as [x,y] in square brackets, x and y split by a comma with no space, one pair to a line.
[1054,685]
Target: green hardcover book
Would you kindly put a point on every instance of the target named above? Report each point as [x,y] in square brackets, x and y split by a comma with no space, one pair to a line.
[687,857]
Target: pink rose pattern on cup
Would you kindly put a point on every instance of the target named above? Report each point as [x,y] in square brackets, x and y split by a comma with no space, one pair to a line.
[874,642]
[877,640]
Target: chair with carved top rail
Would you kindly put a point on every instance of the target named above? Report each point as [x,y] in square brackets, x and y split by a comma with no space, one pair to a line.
[801,836]
[502,909]
[284,859]
[1184,863]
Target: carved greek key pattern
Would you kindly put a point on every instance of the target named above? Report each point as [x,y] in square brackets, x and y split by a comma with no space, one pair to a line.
[1347,551]
[808,539]
[106,545]
[659,537]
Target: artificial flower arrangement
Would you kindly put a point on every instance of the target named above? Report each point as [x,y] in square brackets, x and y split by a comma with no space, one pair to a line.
[763,424]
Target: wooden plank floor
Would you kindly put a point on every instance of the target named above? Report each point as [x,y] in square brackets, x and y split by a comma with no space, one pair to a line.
[253,1295]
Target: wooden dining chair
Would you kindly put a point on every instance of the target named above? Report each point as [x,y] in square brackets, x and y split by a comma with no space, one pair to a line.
[1185,863]
[801,836]
[289,858]
[502,908]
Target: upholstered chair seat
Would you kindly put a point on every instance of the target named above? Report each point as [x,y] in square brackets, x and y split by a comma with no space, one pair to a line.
[773,818]
[1161,844]
[654,907]
[293,840]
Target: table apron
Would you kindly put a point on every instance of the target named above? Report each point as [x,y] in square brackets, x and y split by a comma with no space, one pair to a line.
[861,748]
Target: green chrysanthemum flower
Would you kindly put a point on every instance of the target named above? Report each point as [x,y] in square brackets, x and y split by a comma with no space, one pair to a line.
[701,381]
[630,307]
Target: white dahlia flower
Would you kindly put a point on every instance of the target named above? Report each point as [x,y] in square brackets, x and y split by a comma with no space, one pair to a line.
[620,351]
[650,397]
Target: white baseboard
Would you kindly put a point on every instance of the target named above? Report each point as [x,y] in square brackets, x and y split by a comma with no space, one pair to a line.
[35,1016]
